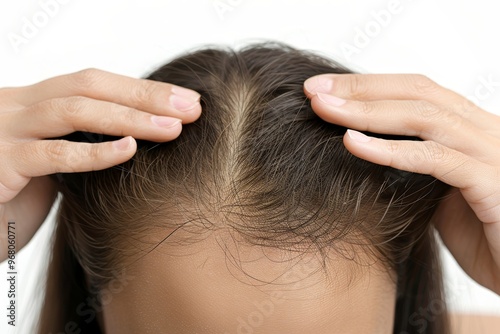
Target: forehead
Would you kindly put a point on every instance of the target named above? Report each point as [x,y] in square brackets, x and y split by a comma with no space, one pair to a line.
[220,285]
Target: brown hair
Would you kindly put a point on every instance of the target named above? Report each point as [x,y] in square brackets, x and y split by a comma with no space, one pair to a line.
[260,162]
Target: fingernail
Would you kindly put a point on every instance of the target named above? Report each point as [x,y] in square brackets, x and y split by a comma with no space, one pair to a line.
[358,136]
[330,99]
[182,103]
[123,144]
[319,84]
[165,122]
[187,93]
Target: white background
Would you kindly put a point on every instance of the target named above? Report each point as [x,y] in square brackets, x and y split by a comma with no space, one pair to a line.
[453,42]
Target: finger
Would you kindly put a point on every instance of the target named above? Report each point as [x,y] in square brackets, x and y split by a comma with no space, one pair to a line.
[152,96]
[43,157]
[369,87]
[410,118]
[378,87]
[61,116]
[427,157]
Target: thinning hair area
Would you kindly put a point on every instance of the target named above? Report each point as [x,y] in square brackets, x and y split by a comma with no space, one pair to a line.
[258,169]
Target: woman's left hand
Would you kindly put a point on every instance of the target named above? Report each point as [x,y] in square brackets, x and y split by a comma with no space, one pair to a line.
[461,147]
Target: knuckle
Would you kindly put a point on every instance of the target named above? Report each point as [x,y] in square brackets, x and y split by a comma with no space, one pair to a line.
[144,92]
[92,152]
[453,120]
[57,150]
[74,106]
[393,146]
[425,109]
[60,155]
[105,123]
[357,85]
[87,78]
[424,116]
[433,151]
[466,108]
[366,107]
[129,114]
[398,156]
[423,84]
[125,117]
[72,160]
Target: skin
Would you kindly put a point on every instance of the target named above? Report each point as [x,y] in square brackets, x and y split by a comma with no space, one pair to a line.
[461,147]
[221,285]
[90,100]
[474,323]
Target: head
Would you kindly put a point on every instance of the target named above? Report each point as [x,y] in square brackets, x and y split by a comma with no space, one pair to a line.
[255,220]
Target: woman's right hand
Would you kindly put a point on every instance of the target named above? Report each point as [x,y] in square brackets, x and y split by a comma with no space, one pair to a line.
[92,101]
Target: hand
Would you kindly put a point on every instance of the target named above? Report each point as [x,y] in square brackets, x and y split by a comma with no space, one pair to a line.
[461,147]
[91,101]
